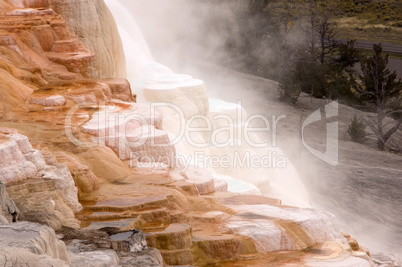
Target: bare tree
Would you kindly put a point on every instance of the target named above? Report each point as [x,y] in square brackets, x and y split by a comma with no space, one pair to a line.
[320,30]
[325,30]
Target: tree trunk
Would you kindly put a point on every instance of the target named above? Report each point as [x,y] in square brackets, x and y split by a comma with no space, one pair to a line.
[381,145]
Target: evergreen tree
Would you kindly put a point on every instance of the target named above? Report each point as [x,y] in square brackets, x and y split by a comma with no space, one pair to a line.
[379,88]
[356,130]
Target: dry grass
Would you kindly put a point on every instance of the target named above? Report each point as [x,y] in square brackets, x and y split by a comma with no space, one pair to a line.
[363,29]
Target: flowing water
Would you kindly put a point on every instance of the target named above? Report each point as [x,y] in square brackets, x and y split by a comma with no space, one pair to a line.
[222,136]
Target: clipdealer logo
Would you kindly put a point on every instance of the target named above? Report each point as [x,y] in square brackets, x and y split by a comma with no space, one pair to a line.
[115,129]
[330,156]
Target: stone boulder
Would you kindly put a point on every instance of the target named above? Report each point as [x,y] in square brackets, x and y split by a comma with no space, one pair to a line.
[14,166]
[63,182]
[25,241]
[85,180]
[97,258]
[19,160]
[44,193]
[140,261]
[8,209]
[12,256]
[120,89]
[109,246]
[40,201]
[3,220]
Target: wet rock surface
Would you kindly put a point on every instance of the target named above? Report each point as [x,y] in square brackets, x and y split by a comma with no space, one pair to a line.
[108,246]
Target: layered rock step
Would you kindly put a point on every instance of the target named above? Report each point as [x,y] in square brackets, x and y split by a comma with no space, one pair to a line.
[68,46]
[174,243]
[158,215]
[228,198]
[210,217]
[133,132]
[145,213]
[212,249]
[189,94]
[45,193]
[124,204]
[108,247]
[117,223]
[49,35]
[18,160]
[329,253]
[149,214]
[31,243]
[202,179]
[80,92]
[180,245]
[77,62]
[283,228]
[84,93]
[40,201]
[48,101]
[121,89]
[260,230]
[13,165]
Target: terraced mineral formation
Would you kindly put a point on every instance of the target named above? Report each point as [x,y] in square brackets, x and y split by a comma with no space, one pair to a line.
[31,244]
[94,25]
[79,155]
[44,193]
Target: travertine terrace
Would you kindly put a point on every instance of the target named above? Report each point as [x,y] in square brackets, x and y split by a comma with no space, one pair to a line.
[69,127]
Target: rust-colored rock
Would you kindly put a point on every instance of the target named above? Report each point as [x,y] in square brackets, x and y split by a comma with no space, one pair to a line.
[28,3]
[92,21]
[37,39]
[120,89]
[84,178]
[40,201]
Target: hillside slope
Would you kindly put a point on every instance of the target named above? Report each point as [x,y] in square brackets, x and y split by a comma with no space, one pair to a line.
[363,191]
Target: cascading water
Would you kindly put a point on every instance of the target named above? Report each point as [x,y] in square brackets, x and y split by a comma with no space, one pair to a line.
[223,138]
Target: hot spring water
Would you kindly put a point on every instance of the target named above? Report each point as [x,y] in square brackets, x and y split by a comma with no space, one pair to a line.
[221,136]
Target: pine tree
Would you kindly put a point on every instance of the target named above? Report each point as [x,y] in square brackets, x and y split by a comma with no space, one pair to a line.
[379,88]
[356,130]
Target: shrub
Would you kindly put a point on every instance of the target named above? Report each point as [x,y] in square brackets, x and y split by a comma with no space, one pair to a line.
[397,24]
[357,130]
[289,93]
